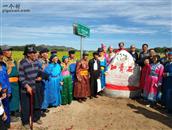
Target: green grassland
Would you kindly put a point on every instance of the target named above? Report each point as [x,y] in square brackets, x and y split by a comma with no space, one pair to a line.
[18,55]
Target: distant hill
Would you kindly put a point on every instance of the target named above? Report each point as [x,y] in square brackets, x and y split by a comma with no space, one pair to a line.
[39,47]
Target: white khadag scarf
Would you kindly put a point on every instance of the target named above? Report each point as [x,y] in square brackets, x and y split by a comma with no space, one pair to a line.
[1,108]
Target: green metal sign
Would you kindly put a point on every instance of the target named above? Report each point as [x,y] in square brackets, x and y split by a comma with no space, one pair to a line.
[81,30]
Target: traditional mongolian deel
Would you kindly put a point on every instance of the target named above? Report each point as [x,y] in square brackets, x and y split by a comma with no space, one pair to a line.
[123,76]
[6,88]
[67,89]
[13,79]
[54,90]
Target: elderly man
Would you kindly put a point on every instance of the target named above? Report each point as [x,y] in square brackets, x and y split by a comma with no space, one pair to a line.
[134,53]
[29,69]
[121,47]
[143,54]
[95,73]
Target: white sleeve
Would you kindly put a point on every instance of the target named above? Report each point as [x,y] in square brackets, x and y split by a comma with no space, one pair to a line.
[1,108]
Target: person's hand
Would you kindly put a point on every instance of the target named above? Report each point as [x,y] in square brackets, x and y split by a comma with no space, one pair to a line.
[29,89]
[4,117]
[38,79]
[61,83]
[9,95]
[4,95]
[79,79]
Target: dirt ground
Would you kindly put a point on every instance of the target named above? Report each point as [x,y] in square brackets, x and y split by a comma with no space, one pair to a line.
[104,113]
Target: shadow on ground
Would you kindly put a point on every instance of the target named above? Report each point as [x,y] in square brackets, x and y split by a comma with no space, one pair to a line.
[166,119]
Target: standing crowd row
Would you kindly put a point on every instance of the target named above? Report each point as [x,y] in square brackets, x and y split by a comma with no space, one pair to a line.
[41,82]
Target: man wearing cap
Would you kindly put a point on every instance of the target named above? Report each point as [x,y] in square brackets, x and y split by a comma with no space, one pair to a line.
[5,89]
[168,83]
[12,70]
[72,64]
[82,84]
[134,53]
[28,76]
[95,72]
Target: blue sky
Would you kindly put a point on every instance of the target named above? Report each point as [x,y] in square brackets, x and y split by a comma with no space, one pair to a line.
[50,22]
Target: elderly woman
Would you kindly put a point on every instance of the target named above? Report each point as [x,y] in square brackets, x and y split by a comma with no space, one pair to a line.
[82,84]
[155,81]
[67,88]
[55,81]
[151,54]
[111,54]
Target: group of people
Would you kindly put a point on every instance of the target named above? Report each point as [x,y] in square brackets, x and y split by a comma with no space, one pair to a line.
[41,81]
[156,78]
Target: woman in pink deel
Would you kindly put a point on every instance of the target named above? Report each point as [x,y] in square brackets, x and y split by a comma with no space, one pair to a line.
[155,81]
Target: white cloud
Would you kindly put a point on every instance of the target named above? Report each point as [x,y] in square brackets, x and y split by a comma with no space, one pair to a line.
[144,12]
[114,29]
[62,31]
[152,13]
[35,32]
[150,17]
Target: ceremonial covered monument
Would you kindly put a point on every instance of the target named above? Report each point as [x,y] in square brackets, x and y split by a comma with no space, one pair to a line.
[123,76]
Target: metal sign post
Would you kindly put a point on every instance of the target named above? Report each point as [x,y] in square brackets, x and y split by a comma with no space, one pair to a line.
[82,31]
